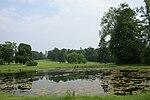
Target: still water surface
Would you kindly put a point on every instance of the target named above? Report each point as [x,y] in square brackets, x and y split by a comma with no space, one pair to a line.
[76,82]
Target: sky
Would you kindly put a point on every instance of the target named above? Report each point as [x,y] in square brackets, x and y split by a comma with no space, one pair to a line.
[46,24]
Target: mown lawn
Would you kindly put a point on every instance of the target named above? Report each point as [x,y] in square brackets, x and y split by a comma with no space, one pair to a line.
[49,65]
[43,65]
[5,96]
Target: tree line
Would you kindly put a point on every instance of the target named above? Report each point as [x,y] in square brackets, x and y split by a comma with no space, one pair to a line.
[74,56]
[125,33]
[10,52]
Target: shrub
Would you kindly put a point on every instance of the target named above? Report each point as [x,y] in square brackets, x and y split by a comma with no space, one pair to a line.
[81,59]
[31,63]
[2,62]
[76,58]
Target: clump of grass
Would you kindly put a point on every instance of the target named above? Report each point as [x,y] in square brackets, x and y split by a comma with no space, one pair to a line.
[6,96]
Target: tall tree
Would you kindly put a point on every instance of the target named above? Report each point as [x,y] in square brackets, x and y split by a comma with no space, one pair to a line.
[145,23]
[147,19]
[121,24]
[107,24]
[7,51]
[24,53]
[124,44]
[145,31]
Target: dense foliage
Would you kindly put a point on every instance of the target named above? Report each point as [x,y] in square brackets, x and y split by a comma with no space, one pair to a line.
[7,52]
[123,44]
[23,54]
[38,55]
[58,55]
[129,41]
[76,58]
[90,54]
[10,52]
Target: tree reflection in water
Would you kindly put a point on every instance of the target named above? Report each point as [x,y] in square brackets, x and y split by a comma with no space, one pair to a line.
[85,82]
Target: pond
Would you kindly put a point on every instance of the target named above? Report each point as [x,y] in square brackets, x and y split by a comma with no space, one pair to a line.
[79,81]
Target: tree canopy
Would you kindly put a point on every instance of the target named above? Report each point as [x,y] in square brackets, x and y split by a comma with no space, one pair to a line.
[23,54]
[76,58]
[7,51]
[129,37]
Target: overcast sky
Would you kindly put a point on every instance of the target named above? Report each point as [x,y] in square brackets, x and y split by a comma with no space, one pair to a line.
[46,24]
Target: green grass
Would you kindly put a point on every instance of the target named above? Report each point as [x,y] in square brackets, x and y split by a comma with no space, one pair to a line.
[5,96]
[49,65]
[42,65]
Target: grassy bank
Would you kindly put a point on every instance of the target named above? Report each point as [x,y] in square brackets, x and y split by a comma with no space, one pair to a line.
[5,96]
[42,65]
[49,65]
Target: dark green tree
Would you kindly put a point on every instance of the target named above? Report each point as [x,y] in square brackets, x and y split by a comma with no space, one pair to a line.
[49,54]
[146,20]
[145,31]
[124,44]
[37,56]
[104,52]
[61,56]
[91,54]
[53,55]
[57,55]
[122,27]
[7,51]
[24,53]
[108,23]
[81,51]
[146,56]
[42,56]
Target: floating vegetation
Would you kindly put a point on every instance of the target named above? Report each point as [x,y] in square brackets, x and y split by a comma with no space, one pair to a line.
[79,81]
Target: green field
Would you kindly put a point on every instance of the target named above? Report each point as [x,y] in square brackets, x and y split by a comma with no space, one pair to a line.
[5,96]
[49,65]
[44,65]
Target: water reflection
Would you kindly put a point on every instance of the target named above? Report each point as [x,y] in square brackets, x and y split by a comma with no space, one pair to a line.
[79,82]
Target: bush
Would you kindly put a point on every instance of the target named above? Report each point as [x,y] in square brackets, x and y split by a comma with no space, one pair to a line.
[81,59]
[76,58]
[2,62]
[31,63]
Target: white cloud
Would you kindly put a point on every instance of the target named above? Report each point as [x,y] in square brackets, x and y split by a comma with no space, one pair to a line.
[25,1]
[76,25]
